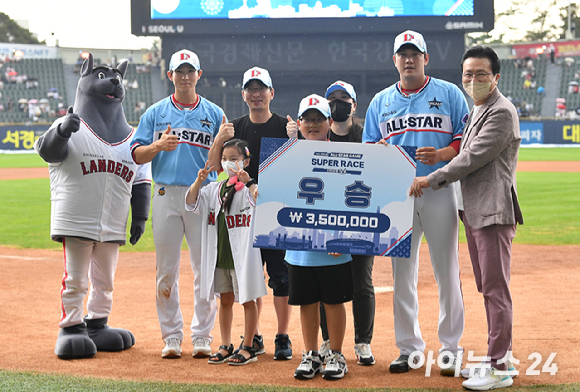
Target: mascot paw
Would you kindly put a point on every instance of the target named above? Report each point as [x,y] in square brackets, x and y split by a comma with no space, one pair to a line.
[74,343]
[107,338]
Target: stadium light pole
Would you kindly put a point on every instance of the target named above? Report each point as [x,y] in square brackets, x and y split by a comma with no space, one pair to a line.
[569,31]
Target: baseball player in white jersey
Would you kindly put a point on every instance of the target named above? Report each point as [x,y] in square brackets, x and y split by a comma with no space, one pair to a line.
[430,114]
[175,134]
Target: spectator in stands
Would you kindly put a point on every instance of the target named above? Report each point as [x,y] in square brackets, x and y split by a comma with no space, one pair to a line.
[135,84]
[552,54]
[9,105]
[527,84]
[1,84]
[529,63]
[1,107]
[541,90]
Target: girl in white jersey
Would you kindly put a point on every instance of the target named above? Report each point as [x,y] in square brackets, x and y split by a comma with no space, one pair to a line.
[230,265]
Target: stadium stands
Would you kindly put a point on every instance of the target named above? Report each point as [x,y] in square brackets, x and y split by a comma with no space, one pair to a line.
[511,84]
[44,77]
[39,79]
[32,79]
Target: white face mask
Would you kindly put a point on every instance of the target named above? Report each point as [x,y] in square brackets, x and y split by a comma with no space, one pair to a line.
[477,90]
[227,165]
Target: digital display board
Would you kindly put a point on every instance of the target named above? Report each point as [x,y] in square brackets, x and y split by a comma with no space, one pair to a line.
[244,9]
[273,17]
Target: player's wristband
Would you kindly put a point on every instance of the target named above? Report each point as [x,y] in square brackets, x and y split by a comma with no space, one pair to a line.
[250,183]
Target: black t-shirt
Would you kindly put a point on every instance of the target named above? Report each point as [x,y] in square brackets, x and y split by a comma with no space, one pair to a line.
[354,135]
[253,133]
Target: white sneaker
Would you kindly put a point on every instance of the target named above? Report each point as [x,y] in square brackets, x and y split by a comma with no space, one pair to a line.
[448,369]
[201,347]
[487,379]
[363,353]
[310,366]
[172,348]
[335,366]
[324,350]
[466,373]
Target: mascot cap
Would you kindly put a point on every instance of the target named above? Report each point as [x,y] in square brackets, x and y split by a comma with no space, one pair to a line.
[340,85]
[257,73]
[183,56]
[314,101]
[410,37]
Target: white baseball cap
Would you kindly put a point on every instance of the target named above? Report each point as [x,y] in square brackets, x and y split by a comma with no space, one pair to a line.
[410,37]
[183,56]
[314,101]
[259,74]
[340,85]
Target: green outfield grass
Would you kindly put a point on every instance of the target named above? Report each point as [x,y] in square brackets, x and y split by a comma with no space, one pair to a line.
[37,382]
[21,160]
[526,154]
[549,202]
[549,154]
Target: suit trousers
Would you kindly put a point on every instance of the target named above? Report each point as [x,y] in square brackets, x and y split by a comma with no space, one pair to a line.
[490,252]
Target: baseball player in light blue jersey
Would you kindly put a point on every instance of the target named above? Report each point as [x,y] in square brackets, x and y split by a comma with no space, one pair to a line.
[175,134]
[430,114]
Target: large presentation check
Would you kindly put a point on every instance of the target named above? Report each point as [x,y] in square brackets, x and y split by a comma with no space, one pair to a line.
[335,197]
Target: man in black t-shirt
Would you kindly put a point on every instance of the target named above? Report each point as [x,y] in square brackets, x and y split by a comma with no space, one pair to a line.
[261,122]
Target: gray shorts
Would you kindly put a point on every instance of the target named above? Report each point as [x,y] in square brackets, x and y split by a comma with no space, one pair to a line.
[225,281]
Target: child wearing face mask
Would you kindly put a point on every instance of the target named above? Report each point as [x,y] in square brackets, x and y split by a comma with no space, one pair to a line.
[231,267]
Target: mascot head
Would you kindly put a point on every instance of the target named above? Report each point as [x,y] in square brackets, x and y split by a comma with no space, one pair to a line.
[99,100]
[102,83]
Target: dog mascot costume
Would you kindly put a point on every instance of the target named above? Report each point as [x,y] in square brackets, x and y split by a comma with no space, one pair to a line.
[93,182]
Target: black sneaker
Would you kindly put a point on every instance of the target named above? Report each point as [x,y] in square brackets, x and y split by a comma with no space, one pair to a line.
[400,365]
[257,343]
[283,349]
[310,366]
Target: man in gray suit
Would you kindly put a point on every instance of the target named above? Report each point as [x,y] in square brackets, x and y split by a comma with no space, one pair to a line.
[486,168]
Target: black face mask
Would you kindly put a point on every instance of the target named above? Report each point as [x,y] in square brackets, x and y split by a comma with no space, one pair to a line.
[340,110]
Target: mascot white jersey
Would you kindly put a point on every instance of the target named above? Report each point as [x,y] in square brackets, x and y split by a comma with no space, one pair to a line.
[94,183]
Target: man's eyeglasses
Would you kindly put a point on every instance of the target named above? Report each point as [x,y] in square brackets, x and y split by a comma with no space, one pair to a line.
[255,90]
[478,76]
[317,120]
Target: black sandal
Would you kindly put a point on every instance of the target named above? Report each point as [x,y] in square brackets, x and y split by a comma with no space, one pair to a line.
[221,358]
[241,360]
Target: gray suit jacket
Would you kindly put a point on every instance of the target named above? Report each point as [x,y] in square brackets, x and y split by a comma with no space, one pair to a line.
[486,165]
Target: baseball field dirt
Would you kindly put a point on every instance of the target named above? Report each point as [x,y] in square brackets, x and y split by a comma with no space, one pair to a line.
[544,284]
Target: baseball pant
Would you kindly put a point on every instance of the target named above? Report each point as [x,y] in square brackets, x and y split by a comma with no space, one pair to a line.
[170,223]
[87,261]
[436,216]
[490,253]
[363,300]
